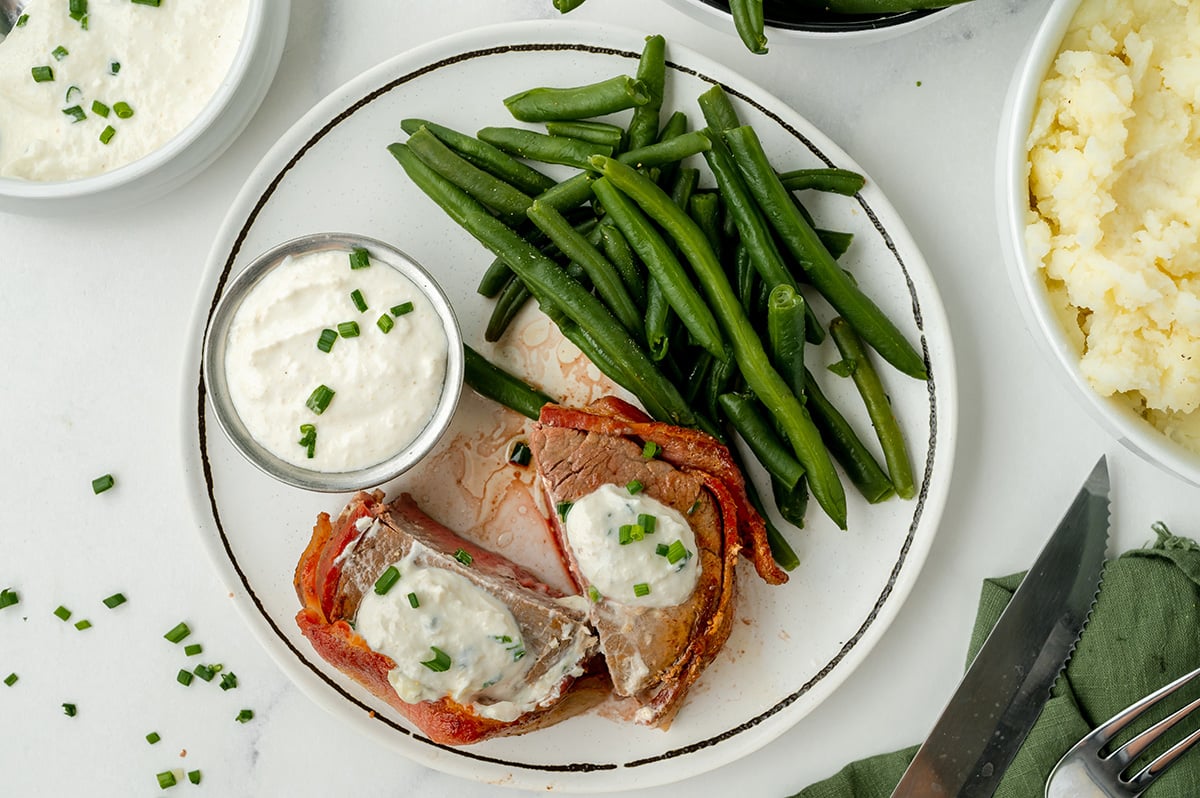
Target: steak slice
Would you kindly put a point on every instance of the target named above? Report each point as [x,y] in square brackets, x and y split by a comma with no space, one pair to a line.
[344,560]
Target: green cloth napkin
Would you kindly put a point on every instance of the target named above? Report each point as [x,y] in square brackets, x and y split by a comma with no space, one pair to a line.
[1143,633]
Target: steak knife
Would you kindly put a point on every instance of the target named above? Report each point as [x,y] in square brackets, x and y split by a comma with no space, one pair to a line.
[1008,683]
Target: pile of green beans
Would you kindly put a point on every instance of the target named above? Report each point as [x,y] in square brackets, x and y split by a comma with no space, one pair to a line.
[696,299]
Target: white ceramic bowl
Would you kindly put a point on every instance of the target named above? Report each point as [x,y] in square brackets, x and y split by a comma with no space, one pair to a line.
[785,20]
[1012,185]
[185,155]
[226,412]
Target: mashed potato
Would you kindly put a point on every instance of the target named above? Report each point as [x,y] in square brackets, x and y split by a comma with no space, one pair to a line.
[1114,183]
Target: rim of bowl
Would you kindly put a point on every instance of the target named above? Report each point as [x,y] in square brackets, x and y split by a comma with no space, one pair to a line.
[852,23]
[235,430]
[1128,427]
[252,36]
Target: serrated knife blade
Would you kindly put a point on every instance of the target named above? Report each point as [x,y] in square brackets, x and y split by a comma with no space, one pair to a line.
[1003,692]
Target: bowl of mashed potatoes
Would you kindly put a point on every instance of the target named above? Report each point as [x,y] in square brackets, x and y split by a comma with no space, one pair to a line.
[1099,199]
[107,103]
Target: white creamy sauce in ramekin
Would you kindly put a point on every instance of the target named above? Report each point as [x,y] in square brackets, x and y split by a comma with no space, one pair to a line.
[172,58]
[615,569]
[385,386]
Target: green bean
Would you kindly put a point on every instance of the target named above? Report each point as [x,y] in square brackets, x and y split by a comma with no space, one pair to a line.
[508,304]
[602,273]
[592,132]
[785,331]
[564,6]
[697,377]
[544,279]
[510,203]
[747,418]
[652,72]
[857,461]
[544,104]
[879,407]
[720,381]
[792,503]
[718,110]
[748,22]
[748,350]
[675,126]
[494,278]
[838,181]
[570,193]
[668,151]
[485,156]
[540,147]
[617,250]
[488,379]
[744,277]
[705,210]
[836,243]
[820,268]
[781,550]
[658,312]
[685,183]
[663,267]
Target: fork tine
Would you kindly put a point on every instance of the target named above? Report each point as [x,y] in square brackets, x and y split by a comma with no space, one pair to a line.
[1151,772]
[1105,732]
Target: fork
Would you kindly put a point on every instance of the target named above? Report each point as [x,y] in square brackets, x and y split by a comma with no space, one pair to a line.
[1084,772]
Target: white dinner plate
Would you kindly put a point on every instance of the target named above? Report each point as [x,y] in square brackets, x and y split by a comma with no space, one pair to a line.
[791,645]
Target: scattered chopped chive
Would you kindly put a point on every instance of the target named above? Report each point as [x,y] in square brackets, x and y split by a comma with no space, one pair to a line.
[71,90]
[192,649]
[21,20]
[217,668]
[502,638]
[319,399]
[101,484]
[440,661]
[651,450]
[359,258]
[356,296]
[641,589]
[624,534]
[155,3]
[562,508]
[60,53]
[386,580]
[11,679]
[42,74]
[77,9]
[308,439]
[229,680]
[647,522]
[107,134]
[194,776]
[520,652]
[178,632]
[184,677]
[413,601]
[594,594]
[114,67]
[661,549]
[385,323]
[327,339]
[401,309]
[245,715]
[844,367]
[115,600]
[695,506]
[8,597]
[83,22]
[152,738]
[76,112]
[677,552]
[348,329]
[63,613]
[520,454]
[464,557]
[84,624]
[69,710]
[204,672]
[166,778]
[634,487]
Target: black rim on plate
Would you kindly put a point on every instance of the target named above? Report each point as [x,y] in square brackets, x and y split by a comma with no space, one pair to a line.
[790,15]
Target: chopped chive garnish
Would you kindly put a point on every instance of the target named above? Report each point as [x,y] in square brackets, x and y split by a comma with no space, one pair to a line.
[413,601]
[327,339]
[319,399]
[69,710]
[99,108]
[152,738]
[562,508]
[695,506]
[114,67]
[217,668]
[71,91]
[63,613]
[42,74]
[84,624]
[356,296]
[650,450]
[8,597]
[21,20]
[661,549]
[178,632]
[107,134]
[401,309]
[204,672]
[228,680]
[385,323]
[520,454]
[359,258]
[122,110]
[641,589]
[166,778]
[155,3]
[594,594]
[245,716]
[634,486]
[192,649]
[677,552]
[115,600]
[386,580]
[83,22]
[308,439]
[647,522]
[77,9]
[184,677]
[348,329]
[464,557]
[520,652]
[101,484]
[194,776]
[623,534]
[502,638]
[440,661]
[60,53]
[11,679]
[76,112]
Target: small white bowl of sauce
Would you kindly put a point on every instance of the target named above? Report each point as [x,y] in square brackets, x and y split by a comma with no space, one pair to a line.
[334,362]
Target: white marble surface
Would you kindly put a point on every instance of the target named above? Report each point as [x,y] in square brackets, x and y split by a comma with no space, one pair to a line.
[95,312]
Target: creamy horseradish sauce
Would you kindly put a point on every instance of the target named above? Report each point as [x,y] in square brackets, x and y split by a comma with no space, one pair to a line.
[458,641]
[624,561]
[86,95]
[335,368]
